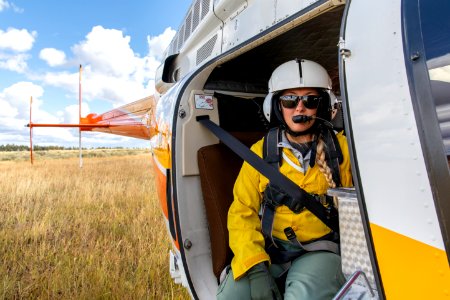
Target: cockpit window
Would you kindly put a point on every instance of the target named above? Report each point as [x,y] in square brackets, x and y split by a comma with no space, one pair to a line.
[435,25]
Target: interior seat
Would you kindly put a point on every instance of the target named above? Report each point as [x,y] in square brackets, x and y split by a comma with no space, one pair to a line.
[218,168]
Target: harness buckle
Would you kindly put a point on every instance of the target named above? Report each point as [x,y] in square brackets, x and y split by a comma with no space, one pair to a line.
[290,233]
[292,237]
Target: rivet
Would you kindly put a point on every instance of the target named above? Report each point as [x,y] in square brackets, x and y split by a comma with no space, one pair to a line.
[187,244]
[182,113]
[415,56]
[345,52]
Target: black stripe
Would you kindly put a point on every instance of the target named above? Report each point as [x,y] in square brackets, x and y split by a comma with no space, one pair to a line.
[300,71]
[170,215]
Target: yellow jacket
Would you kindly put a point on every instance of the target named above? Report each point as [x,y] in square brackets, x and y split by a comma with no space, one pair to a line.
[244,226]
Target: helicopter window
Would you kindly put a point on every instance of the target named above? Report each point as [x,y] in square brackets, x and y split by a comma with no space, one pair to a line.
[436,36]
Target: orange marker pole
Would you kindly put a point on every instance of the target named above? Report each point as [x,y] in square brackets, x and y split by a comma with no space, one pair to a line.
[79,117]
[31,132]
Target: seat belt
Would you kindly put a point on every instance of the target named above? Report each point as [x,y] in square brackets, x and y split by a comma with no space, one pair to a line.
[299,198]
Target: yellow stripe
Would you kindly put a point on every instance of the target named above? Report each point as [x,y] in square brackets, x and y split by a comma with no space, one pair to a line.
[410,269]
[163,156]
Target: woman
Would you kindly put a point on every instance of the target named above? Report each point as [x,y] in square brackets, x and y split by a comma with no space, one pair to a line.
[293,252]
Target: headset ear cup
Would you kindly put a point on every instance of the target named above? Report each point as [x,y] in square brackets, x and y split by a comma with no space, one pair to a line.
[324,109]
[277,116]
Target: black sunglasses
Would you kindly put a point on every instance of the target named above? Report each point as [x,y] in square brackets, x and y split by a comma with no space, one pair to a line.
[309,101]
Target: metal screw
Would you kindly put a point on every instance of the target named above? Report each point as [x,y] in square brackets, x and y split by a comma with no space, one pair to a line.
[182,113]
[345,52]
[187,244]
[415,56]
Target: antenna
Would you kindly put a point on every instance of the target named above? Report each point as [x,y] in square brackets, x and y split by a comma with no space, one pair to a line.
[31,132]
[79,117]
[85,126]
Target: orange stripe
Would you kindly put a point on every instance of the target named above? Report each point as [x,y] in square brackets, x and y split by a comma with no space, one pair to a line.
[163,158]
[410,269]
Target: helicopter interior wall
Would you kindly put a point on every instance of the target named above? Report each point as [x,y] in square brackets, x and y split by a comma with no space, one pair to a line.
[248,118]
[315,40]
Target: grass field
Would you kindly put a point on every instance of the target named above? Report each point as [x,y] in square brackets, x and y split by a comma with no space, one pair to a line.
[58,154]
[90,233]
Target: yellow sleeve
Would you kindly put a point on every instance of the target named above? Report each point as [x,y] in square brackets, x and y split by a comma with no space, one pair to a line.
[244,226]
[345,167]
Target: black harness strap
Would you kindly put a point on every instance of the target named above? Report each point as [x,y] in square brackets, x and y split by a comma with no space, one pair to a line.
[335,156]
[272,155]
[291,195]
[273,195]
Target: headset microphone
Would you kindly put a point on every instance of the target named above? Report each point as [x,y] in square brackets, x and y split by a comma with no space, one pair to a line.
[301,118]
[304,119]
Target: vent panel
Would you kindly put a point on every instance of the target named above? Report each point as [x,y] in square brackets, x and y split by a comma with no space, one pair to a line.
[187,31]
[180,38]
[205,8]
[196,16]
[205,51]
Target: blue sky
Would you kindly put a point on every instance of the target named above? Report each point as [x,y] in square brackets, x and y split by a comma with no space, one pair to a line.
[42,43]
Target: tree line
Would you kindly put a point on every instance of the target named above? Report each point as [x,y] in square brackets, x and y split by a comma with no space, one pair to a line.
[11,147]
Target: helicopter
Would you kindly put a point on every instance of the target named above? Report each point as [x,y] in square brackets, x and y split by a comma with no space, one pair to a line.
[389,62]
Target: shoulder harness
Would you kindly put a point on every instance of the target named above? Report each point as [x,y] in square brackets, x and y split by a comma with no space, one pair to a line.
[274,197]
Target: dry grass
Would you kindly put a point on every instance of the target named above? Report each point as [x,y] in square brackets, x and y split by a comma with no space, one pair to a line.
[91,233]
[57,154]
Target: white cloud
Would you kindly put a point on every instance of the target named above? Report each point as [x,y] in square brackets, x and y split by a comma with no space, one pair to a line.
[4,5]
[19,40]
[15,114]
[18,97]
[14,62]
[111,69]
[71,113]
[107,51]
[53,57]
[64,80]
[16,8]
[7,110]
[158,44]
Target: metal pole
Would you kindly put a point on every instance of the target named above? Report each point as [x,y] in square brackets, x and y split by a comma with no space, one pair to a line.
[79,117]
[31,132]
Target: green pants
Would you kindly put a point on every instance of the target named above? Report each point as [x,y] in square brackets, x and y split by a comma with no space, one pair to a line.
[314,275]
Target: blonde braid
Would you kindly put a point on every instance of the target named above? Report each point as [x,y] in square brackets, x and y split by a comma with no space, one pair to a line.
[323,166]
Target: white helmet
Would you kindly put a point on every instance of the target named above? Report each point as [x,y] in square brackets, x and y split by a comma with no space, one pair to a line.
[297,73]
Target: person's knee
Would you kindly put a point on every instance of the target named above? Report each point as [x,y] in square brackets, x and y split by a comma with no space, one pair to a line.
[315,275]
[231,289]
[321,264]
